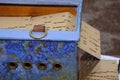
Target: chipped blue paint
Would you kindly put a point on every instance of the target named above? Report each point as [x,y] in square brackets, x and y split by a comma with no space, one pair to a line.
[34,52]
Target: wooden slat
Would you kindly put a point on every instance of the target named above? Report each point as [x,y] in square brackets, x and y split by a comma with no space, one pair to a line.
[9,10]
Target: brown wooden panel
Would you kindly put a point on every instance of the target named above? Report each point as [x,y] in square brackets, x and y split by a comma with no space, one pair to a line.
[9,10]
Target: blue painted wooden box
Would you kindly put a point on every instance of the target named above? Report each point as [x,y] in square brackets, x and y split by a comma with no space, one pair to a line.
[53,57]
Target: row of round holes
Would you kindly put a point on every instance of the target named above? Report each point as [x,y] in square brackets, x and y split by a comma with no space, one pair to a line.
[27,65]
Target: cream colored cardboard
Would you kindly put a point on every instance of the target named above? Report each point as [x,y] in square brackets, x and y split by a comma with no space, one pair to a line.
[104,70]
[14,22]
[58,21]
[90,40]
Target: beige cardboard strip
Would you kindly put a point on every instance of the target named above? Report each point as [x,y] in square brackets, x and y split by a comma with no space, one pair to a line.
[58,21]
[90,40]
[104,70]
[14,22]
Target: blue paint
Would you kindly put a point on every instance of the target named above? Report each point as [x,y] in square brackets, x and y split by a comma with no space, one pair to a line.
[41,2]
[48,52]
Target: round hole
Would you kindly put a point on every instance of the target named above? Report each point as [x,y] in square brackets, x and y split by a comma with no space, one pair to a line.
[27,65]
[42,66]
[57,66]
[12,65]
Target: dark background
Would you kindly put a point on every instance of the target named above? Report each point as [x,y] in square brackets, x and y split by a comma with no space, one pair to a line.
[104,15]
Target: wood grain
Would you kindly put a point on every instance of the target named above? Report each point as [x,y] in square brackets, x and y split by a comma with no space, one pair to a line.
[10,10]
